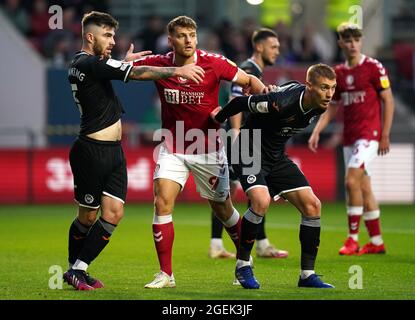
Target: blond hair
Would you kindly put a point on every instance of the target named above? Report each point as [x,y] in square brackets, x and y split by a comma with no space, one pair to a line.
[320,70]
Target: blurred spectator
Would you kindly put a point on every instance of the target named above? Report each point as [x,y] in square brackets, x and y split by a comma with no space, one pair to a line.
[82,6]
[39,19]
[71,21]
[39,24]
[209,41]
[91,5]
[61,52]
[287,55]
[224,31]
[58,45]
[17,15]
[248,26]
[162,44]
[148,37]
[239,45]
[232,42]
[313,47]
[404,53]
[61,44]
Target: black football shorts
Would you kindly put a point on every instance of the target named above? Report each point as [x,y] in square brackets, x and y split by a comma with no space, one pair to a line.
[98,167]
[279,176]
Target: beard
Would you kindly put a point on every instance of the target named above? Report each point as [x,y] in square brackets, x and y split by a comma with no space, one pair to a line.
[187,54]
[99,50]
[268,62]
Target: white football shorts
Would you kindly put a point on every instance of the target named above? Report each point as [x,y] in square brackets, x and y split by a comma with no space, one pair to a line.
[360,154]
[210,171]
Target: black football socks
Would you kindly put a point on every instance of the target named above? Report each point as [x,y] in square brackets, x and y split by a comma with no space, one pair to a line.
[77,236]
[98,237]
[217,227]
[310,240]
[249,229]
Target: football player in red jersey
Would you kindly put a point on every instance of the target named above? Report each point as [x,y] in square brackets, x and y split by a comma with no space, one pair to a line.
[188,144]
[362,88]
[96,157]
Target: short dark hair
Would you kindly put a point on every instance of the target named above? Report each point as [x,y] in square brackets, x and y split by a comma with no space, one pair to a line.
[320,70]
[262,34]
[99,19]
[348,30]
[181,21]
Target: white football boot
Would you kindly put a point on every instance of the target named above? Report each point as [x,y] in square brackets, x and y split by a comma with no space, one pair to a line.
[161,280]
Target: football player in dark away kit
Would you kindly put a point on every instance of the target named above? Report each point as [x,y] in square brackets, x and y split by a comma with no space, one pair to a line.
[96,157]
[265,51]
[278,115]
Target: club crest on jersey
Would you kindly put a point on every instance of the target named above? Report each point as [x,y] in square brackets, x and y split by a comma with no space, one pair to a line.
[349,80]
[251,179]
[182,80]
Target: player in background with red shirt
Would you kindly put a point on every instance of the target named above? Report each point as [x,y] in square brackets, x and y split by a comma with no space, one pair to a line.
[186,121]
[362,87]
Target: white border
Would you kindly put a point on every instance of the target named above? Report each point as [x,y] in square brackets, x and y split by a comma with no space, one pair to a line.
[256,186]
[279,195]
[84,205]
[128,73]
[112,196]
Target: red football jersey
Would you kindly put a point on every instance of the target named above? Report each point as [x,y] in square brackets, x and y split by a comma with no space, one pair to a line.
[186,105]
[358,92]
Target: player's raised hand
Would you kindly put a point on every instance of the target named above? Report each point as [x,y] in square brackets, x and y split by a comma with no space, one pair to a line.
[214,113]
[191,72]
[131,56]
[313,142]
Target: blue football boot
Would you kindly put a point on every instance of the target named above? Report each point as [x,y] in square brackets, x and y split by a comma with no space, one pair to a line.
[246,277]
[313,281]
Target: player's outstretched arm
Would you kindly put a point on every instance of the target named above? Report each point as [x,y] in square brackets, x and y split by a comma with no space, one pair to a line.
[322,123]
[266,103]
[250,83]
[235,106]
[188,71]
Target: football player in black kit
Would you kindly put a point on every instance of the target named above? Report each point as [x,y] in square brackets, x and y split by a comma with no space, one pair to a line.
[278,115]
[265,51]
[96,157]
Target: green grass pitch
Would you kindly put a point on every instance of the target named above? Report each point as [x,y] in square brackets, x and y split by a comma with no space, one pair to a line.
[34,238]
